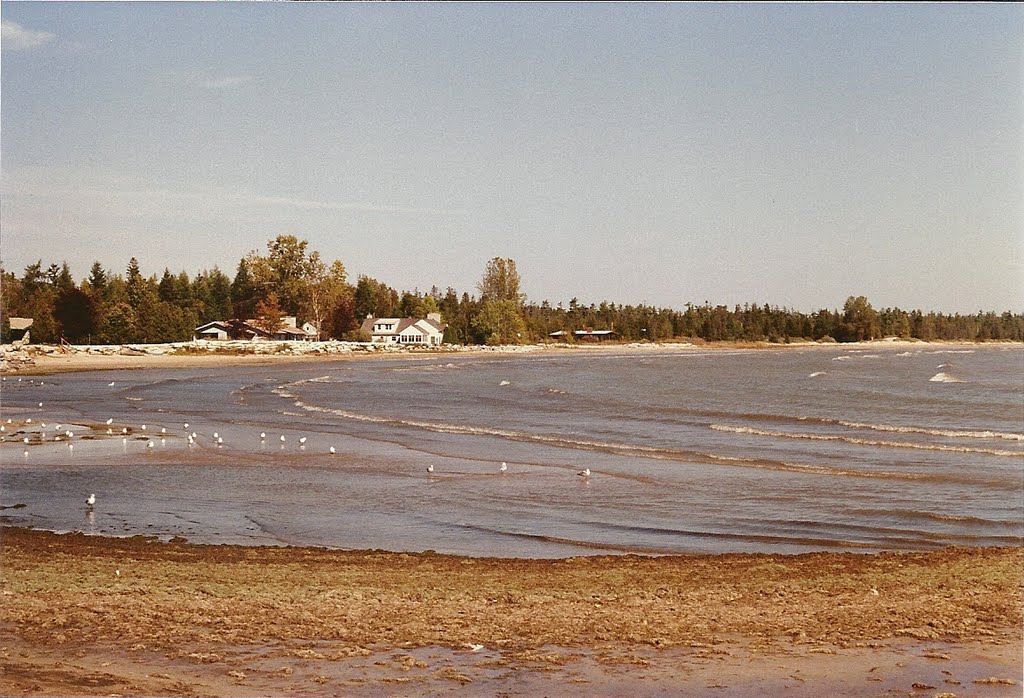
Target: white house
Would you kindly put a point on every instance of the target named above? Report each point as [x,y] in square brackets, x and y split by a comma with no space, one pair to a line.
[427,331]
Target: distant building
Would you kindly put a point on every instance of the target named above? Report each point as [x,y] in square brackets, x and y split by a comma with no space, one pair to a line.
[213,330]
[428,331]
[20,327]
[250,329]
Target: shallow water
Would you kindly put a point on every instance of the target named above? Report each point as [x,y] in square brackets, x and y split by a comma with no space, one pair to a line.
[697,451]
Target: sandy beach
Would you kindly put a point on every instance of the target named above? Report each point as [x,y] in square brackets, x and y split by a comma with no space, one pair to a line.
[41,360]
[132,616]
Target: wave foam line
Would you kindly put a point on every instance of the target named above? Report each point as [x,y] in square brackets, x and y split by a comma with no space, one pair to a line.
[866,442]
[629,450]
[952,433]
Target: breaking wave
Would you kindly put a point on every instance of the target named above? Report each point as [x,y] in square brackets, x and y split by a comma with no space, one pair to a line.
[636,450]
[943,377]
[951,433]
[866,442]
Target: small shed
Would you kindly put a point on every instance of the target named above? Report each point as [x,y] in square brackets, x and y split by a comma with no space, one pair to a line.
[20,327]
[213,330]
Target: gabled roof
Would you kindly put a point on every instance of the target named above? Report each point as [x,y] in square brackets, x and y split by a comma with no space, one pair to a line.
[213,324]
[423,325]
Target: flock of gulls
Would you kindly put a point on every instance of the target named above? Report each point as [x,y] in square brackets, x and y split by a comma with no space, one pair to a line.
[192,437]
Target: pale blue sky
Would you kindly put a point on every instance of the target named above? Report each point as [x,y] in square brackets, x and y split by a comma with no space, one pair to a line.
[669,153]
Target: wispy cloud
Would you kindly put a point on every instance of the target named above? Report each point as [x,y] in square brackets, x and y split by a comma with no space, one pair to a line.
[226,82]
[124,196]
[14,37]
[351,206]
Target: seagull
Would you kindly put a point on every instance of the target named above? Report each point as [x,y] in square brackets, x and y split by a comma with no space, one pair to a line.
[475,647]
[124,430]
[90,501]
[430,468]
[263,436]
[332,450]
[302,440]
[110,421]
[26,439]
[143,427]
[110,384]
[215,435]
[504,467]
[149,445]
[186,425]
[584,473]
[28,421]
[163,430]
[40,404]
[220,440]
[282,438]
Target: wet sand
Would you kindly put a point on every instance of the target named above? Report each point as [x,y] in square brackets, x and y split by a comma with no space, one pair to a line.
[99,616]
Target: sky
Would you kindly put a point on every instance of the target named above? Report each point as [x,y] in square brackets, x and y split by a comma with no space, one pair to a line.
[791,154]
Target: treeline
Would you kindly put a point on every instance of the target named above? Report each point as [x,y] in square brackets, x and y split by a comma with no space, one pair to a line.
[289,279]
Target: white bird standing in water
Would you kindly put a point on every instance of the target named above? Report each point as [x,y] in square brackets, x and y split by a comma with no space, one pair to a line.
[302,440]
[90,501]
[332,450]
[263,436]
[110,421]
[503,468]
[282,438]
[110,384]
[584,473]
[430,468]
[215,436]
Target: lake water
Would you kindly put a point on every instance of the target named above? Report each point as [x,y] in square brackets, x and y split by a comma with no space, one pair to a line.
[863,449]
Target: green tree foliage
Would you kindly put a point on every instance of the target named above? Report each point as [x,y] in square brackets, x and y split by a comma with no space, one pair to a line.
[283,271]
[118,325]
[97,278]
[135,285]
[501,282]
[374,298]
[500,322]
[860,321]
[133,308]
[243,292]
[75,313]
[499,319]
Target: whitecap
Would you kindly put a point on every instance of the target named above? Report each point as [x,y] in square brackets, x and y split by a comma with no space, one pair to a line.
[943,377]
